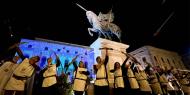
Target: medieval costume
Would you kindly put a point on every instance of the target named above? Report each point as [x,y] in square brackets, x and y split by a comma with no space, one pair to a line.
[50,81]
[6,71]
[142,80]
[154,83]
[118,79]
[49,76]
[173,83]
[16,84]
[101,82]
[132,79]
[153,78]
[81,73]
[185,84]
[130,83]
[164,83]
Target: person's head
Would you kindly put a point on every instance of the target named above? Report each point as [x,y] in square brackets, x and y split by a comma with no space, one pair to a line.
[34,59]
[81,64]
[160,71]
[98,59]
[117,65]
[135,69]
[15,59]
[49,61]
[128,65]
[172,68]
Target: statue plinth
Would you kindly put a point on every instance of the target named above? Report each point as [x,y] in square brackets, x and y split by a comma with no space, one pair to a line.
[115,55]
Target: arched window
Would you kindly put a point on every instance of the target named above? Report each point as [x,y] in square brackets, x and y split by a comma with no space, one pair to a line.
[46,48]
[155,59]
[29,46]
[174,62]
[76,52]
[58,50]
[162,60]
[168,61]
[180,64]
[86,53]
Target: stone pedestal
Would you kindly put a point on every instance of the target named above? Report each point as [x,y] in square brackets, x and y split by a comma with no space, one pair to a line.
[114,55]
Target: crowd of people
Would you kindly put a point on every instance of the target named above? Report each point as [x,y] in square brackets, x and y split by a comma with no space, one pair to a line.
[26,78]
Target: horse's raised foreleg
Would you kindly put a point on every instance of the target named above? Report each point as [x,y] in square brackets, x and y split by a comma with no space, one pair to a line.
[100,33]
[90,31]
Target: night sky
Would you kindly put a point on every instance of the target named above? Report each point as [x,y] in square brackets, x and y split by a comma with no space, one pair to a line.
[64,21]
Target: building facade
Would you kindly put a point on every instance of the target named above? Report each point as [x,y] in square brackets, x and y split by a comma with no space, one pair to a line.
[158,57]
[66,52]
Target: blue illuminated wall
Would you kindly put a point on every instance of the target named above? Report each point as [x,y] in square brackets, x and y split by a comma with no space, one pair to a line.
[65,51]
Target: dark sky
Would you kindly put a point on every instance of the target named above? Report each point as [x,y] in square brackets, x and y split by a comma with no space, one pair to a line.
[64,21]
